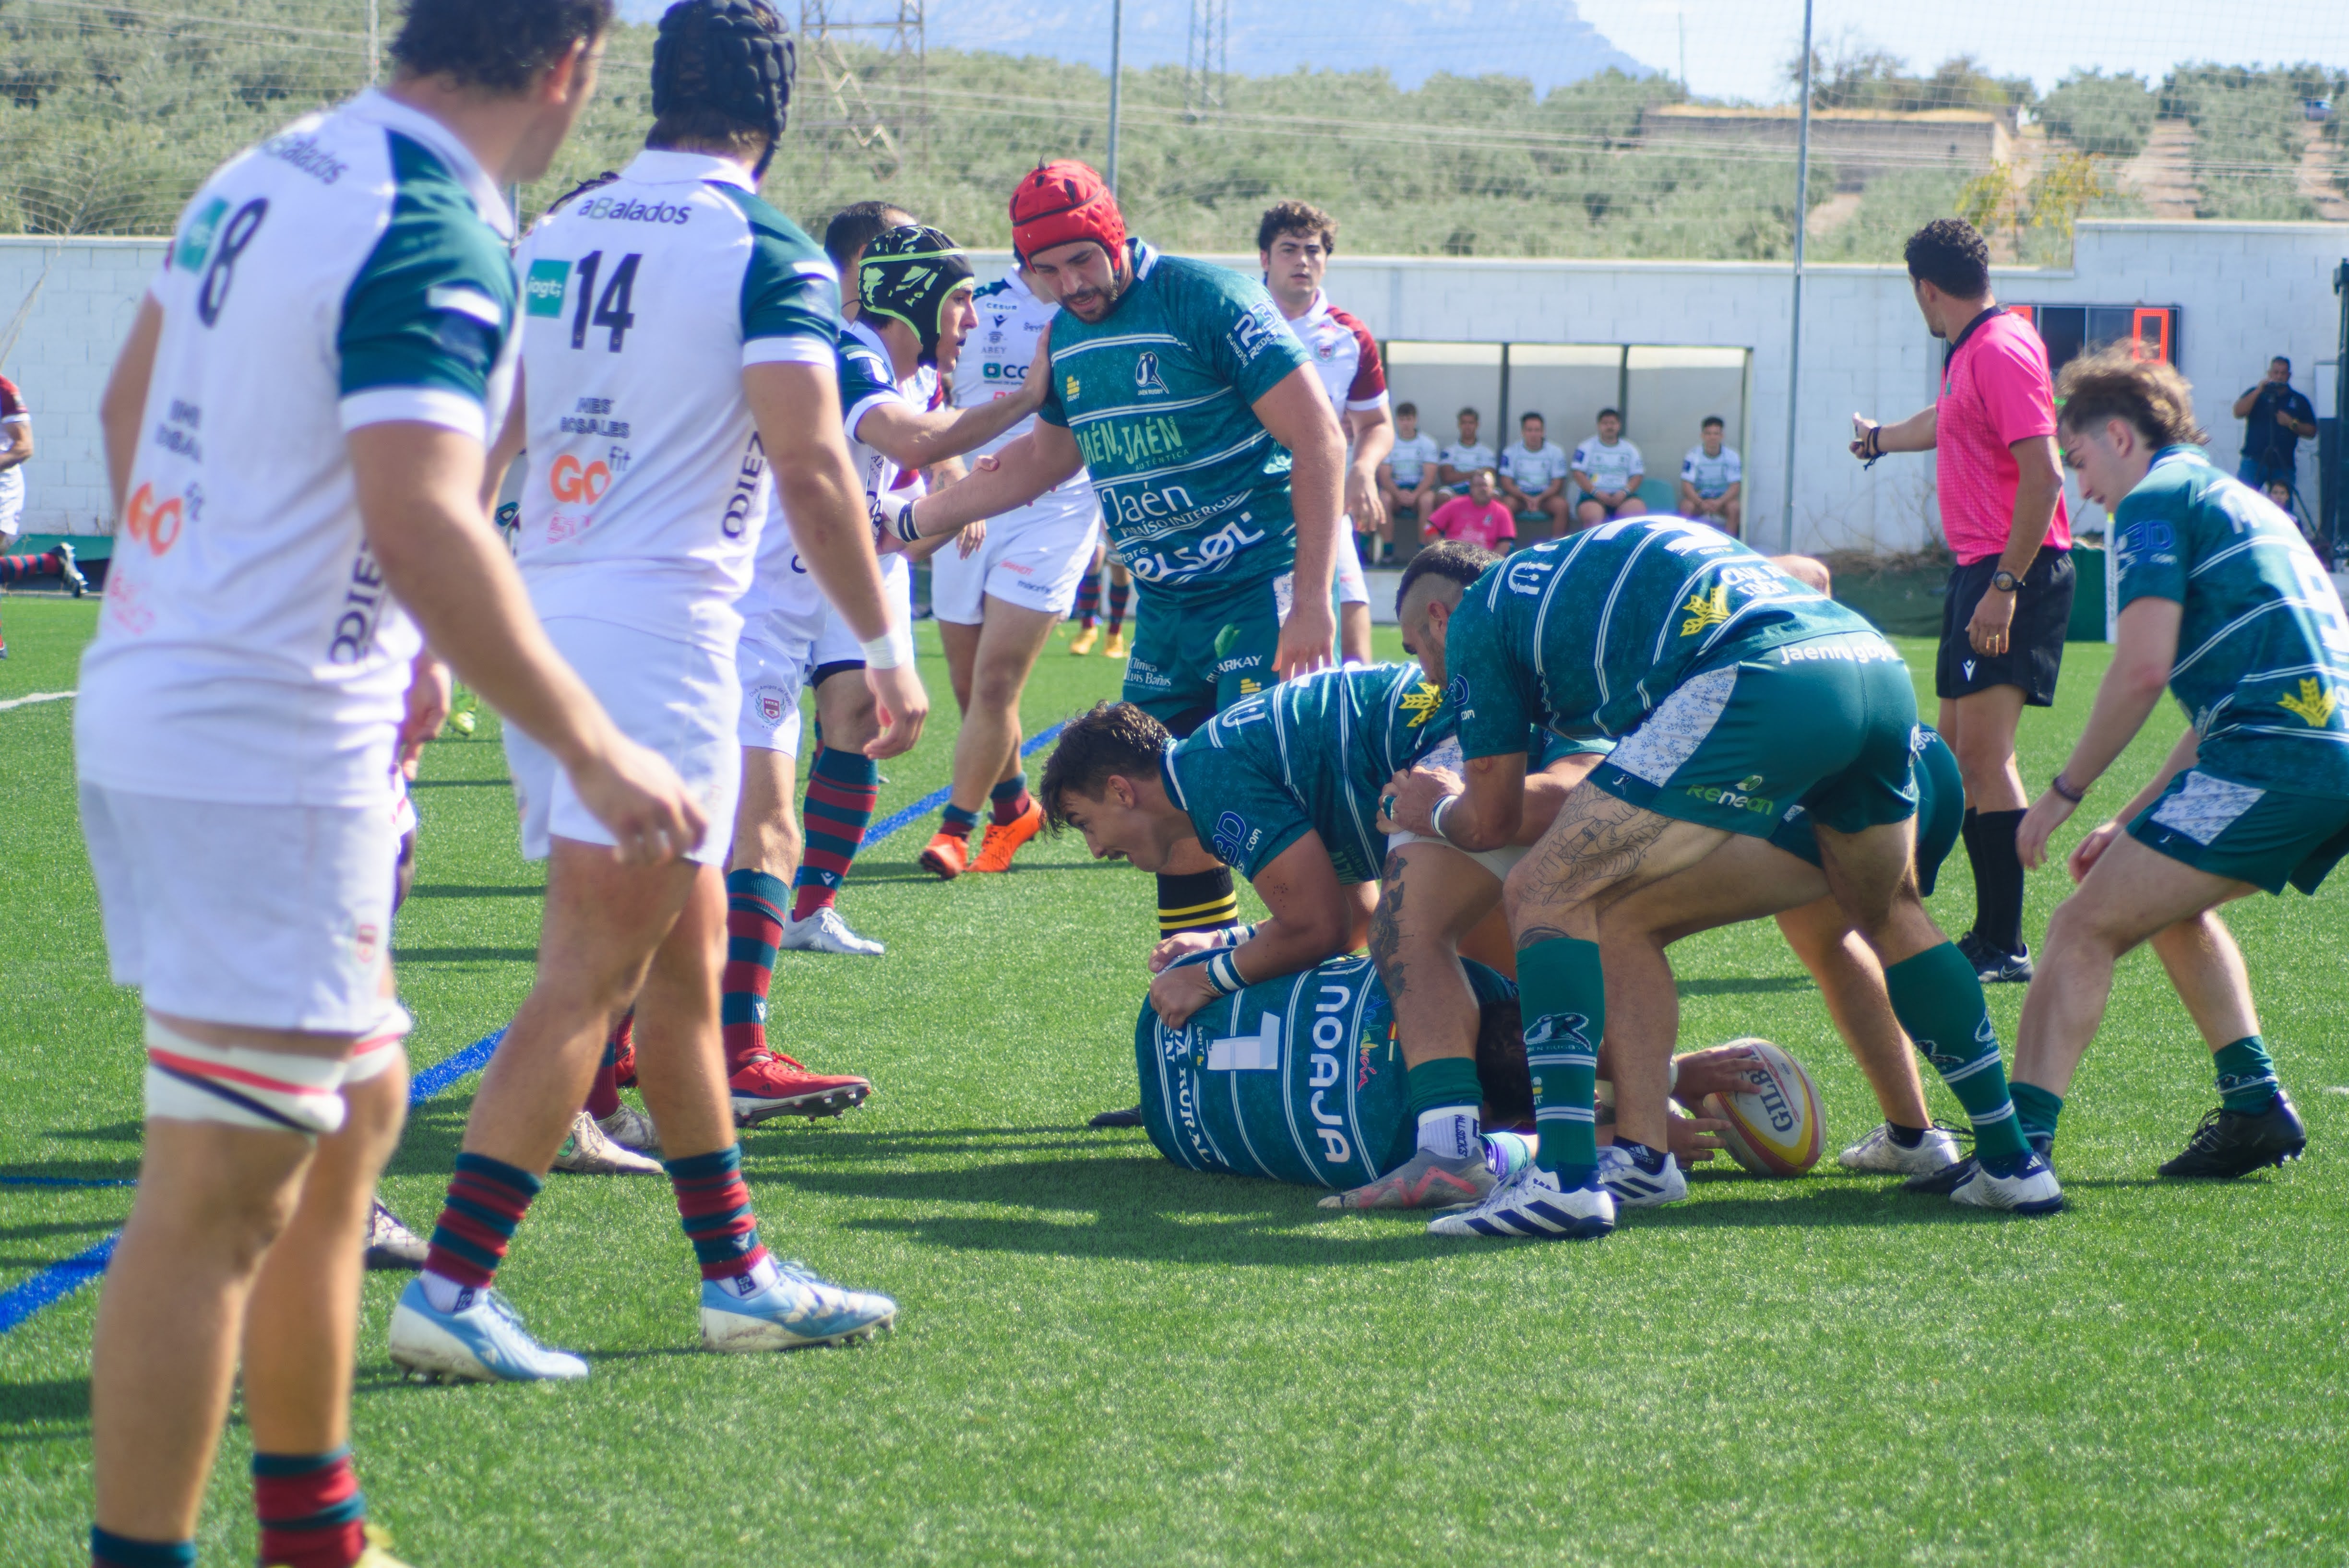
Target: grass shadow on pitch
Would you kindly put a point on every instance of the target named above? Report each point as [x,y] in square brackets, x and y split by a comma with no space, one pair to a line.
[1743,985]
[43,1412]
[914,870]
[446,889]
[464,955]
[39,1175]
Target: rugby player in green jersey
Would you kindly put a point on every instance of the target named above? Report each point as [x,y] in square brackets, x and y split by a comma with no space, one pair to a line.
[2223,603]
[1739,695]
[1219,465]
[1436,899]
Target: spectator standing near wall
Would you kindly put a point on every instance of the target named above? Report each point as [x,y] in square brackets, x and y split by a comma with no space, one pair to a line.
[1992,434]
[1480,518]
[1713,480]
[1608,471]
[1532,475]
[2274,418]
[1463,457]
[1407,479]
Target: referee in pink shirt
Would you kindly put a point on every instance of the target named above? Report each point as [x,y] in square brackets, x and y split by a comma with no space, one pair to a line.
[2001,483]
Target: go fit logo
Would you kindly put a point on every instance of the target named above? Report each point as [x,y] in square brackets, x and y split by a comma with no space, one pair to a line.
[156,526]
[571,481]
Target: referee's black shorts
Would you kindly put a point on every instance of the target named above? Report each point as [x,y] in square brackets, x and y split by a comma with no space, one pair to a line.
[2035,644]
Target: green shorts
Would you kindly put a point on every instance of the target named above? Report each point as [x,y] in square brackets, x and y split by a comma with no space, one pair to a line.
[1824,724]
[2264,837]
[1195,656]
[1941,810]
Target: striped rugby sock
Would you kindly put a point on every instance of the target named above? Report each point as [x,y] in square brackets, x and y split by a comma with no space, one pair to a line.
[311,1510]
[1562,990]
[1118,594]
[1087,608]
[1939,1000]
[755,903]
[1197,900]
[1009,799]
[486,1201]
[713,1204]
[843,788]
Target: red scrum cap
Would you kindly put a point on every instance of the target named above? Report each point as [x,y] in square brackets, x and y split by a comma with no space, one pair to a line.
[1061,203]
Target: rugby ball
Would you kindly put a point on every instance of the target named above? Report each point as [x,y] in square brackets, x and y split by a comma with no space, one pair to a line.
[1777,1126]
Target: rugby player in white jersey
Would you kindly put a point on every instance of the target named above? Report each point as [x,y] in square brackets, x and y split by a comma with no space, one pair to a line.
[914,290]
[997,606]
[678,339]
[1294,243]
[295,431]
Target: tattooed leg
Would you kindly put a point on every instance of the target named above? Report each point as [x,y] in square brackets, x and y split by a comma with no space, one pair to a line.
[1431,895]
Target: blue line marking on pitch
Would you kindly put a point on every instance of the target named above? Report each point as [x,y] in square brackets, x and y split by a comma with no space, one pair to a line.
[55,1283]
[60,1280]
[937,797]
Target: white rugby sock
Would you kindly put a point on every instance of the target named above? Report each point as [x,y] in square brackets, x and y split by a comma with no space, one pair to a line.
[1451,1131]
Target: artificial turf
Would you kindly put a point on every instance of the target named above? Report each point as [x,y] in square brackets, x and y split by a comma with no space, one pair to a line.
[1101,1358]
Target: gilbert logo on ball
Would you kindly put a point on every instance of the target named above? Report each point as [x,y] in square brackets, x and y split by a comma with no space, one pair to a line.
[1776,1126]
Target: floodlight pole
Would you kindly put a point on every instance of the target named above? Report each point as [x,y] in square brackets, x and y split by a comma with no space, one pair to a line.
[375,53]
[1794,336]
[1116,54]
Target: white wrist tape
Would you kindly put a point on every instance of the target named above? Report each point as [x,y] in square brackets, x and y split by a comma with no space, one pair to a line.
[1225,975]
[1435,818]
[1233,936]
[269,1092]
[893,649]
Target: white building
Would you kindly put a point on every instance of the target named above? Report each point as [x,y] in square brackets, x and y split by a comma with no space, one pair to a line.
[1670,341]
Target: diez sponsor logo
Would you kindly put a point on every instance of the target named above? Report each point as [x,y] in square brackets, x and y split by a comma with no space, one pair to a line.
[570,480]
[363,603]
[747,478]
[155,524]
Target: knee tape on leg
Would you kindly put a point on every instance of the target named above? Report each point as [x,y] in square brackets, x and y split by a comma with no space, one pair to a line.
[378,1048]
[270,1091]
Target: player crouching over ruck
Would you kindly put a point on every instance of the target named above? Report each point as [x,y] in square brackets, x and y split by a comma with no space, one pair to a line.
[2222,602]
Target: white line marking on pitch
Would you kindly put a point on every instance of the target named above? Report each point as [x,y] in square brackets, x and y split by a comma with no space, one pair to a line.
[36,696]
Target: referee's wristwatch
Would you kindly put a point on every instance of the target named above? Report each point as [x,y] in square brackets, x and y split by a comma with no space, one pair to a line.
[2005,582]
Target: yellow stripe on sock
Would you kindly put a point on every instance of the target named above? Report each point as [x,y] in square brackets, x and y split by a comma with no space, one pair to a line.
[1230,901]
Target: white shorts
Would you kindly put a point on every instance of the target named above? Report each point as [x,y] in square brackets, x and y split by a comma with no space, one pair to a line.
[838,643]
[12,501]
[676,698]
[1033,558]
[1499,861]
[274,917]
[774,673]
[1353,587]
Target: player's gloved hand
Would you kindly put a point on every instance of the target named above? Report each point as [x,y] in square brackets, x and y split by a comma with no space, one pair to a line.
[1408,802]
[640,800]
[2047,813]
[1181,944]
[2090,849]
[1306,639]
[901,704]
[1180,991]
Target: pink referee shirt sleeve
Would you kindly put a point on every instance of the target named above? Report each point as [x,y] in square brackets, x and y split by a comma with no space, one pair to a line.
[2012,377]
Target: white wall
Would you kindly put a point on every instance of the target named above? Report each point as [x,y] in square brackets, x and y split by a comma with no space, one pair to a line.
[88,292]
[2249,291]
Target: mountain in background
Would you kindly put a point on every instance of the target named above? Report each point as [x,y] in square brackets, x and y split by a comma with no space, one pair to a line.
[1546,41]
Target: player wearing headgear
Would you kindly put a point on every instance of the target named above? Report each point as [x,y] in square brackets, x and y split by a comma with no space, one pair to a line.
[335,307]
[915,288]
[2222,602]
[1210,441]
[1738,695]
[997,607]
[680,339]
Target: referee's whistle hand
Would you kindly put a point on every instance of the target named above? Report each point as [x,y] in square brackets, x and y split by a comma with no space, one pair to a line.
[1988,632]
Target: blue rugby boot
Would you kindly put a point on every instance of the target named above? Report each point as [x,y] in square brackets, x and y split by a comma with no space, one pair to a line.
[1530,1203]
[482,1340]
[796,1308]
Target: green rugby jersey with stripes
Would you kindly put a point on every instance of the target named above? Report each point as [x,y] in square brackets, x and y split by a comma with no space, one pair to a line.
[1296,1079]
[1160,396]
[1585,636]
[2262,661]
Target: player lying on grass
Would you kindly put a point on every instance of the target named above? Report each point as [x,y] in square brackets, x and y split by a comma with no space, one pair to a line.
[1739,695]
[1300,1078]
[1437,901]
[720,363]
[2223,603]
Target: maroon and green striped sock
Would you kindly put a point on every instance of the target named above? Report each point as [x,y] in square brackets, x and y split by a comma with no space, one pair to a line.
[755,901]
[843,788]
[1009,799]
[311,1510]
[713,1204]
[1089,599]
[487,1199]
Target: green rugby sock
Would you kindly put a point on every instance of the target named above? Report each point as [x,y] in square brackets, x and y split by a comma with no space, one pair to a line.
[1939,1000]
[1446,1102]
[2038,1109]
[2247,1079]
[1562,990]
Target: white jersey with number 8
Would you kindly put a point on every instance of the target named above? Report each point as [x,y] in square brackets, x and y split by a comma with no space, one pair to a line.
[350,271]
